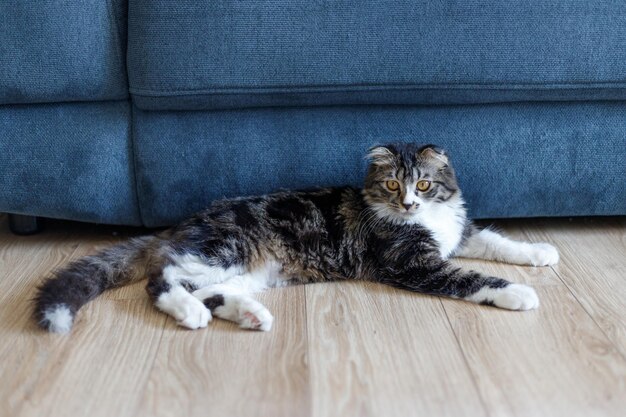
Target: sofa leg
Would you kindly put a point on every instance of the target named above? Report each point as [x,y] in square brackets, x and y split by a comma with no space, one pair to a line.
[24,225]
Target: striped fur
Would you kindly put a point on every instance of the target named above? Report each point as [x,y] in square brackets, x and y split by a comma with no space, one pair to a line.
[211,264]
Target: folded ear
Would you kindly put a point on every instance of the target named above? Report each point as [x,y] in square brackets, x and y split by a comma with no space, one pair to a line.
[380,155]
[434,153]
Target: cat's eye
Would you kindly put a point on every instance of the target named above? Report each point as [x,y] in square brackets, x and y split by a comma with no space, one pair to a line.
[423,185]
[393,185]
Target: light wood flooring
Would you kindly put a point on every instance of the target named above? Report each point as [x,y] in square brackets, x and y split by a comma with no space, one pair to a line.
[344,349]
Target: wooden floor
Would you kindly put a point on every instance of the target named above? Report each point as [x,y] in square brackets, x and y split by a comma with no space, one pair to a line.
[346,349]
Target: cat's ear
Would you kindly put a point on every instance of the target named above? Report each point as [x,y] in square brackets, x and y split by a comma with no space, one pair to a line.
[435,154]
[380,155]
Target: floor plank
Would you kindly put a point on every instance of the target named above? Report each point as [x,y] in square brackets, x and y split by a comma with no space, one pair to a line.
[336,349]
[377,351]
[593,266]
[554,361]
[103,367]
[24,352]
[49,374]
[224,370]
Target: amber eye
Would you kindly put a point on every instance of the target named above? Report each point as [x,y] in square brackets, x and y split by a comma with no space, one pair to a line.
[393,185]
[423,185]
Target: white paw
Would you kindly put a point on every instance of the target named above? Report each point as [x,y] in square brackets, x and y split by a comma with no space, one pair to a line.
[192,314]
[516,297]
[187,310]
[253,315]
[543,254]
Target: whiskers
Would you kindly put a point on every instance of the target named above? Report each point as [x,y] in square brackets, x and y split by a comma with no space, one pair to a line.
[368,221]
[376,215]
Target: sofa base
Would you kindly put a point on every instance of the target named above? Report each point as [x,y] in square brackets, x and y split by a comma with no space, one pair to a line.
[25,225]
[68,161]
[512,160]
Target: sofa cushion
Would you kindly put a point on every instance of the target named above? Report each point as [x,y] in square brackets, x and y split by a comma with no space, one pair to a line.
[201,55]
[54,51]
[69,161]
[513,160]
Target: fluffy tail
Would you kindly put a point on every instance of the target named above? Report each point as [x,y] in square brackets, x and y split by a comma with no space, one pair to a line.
[60,297]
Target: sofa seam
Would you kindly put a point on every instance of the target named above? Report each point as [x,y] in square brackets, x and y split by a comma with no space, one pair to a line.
[378,87]
[120,54]
[134,159]
[126,97]
[133,145]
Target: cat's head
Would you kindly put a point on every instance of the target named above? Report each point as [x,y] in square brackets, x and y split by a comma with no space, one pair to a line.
[404,180]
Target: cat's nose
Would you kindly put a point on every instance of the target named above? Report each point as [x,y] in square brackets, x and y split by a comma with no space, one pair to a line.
[407,206]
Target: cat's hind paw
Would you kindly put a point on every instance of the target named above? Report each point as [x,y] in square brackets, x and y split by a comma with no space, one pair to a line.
[543,254]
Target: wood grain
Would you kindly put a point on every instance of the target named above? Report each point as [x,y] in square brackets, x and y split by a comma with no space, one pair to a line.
[103,369]
[224,370]
[593,266]
[48,374]
[341,349]
[379,351]
[553,361]
[24,351]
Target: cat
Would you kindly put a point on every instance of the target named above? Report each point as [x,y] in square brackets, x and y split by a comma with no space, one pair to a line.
[399,230]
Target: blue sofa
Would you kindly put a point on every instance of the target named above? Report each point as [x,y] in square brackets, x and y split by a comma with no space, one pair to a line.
[141,112]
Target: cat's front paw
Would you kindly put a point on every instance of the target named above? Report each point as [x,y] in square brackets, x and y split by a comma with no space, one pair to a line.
[516,297]
[542,254]
[253,315]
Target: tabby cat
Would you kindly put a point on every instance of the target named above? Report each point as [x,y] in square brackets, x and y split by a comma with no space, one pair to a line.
[399,230]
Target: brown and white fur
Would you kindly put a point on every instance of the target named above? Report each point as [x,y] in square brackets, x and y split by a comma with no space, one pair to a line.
[400,230]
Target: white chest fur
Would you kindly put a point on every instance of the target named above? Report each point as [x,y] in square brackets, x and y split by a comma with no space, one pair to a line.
[446,223]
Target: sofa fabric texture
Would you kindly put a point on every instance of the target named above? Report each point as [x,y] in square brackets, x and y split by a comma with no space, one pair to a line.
[190,55]
[513,160]
[59,51]
[141,112]
[70,161]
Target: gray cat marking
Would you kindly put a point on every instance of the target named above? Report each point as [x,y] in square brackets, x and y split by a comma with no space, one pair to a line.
[399,230]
